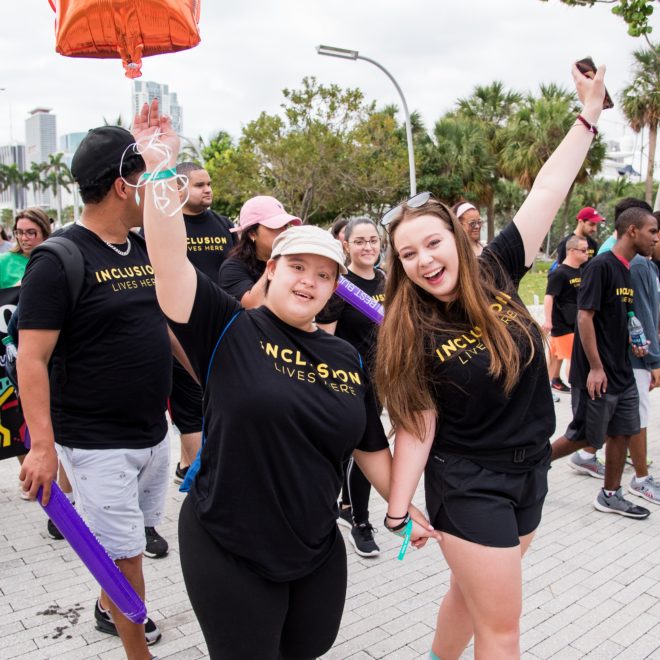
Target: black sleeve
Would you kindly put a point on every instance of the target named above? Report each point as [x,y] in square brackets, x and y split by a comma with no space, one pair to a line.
[506,252]
[211,312]
[591,288]
[332,311]
[561,250]
[44,294]
[227,224]
[555,283]
[374,438]
[235,278]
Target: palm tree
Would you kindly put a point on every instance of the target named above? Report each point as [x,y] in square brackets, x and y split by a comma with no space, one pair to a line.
[640,101]
[490,106]
[57,175]
[535,131]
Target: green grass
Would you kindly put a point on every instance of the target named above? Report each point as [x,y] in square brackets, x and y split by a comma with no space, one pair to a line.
[534,282]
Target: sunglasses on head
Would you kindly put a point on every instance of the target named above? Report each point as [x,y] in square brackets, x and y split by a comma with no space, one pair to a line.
[414,203]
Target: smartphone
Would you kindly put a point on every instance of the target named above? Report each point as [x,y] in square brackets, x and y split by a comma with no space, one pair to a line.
[587,67]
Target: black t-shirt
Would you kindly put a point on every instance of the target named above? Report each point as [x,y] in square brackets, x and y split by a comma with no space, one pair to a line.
[353,325]
[236,278]
[563,285]
[111,369]
[592,248]
[209,241]
[607,289]
[476,418]
[282,409]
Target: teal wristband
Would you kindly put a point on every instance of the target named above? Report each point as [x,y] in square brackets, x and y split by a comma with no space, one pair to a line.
[159,176]
[406,539]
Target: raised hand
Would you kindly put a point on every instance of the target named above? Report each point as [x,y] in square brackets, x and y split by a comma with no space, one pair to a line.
[590,91]
[155,137]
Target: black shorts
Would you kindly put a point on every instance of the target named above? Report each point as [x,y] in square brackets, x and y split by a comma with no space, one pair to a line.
[185,401]
[609,415]
[481,505]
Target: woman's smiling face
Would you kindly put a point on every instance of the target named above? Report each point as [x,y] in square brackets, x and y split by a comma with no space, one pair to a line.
[426,248]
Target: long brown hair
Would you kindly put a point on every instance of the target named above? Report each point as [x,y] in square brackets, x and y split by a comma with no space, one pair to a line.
[413,316]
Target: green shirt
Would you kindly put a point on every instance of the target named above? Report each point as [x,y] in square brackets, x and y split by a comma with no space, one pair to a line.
[12,269]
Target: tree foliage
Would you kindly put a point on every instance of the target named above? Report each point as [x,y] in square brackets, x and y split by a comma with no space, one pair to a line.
[636,13]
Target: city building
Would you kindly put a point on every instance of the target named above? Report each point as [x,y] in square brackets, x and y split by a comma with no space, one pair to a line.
[69,143]
[145,91]
[14,197]
[40,142]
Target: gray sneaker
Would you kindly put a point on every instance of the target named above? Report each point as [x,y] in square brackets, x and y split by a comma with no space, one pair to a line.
[648,489]
[591,466]
[618,504]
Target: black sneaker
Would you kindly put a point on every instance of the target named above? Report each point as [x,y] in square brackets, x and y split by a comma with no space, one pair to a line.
[180,473]
[105,624]
[362,539]
[559,385]
[345,516]
[53,532]
[156,546]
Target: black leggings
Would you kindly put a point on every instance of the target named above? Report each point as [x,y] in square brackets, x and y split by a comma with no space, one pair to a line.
[244,615]
[356,491]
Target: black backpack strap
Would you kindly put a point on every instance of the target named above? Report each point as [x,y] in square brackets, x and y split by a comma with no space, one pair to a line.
[72,261]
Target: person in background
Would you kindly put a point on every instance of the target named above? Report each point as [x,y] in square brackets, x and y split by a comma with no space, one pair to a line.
[362,245]
[337,228]
[646,369]
[604,394]
[243,274]
[31,228]
[5,243]
[470,218]
[560,306]
[588,220]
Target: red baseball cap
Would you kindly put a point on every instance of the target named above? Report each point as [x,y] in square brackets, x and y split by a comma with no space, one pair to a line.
[590,215]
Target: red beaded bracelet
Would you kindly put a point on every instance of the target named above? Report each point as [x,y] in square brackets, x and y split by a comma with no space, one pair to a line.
[590,127]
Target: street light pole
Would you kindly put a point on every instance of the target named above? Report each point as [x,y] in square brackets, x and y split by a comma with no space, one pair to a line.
[346,54]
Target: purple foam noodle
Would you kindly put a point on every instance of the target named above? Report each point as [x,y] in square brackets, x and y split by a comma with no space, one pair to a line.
[362,301]
[91,552]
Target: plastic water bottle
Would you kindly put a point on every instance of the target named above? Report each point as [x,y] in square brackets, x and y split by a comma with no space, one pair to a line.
[637,336]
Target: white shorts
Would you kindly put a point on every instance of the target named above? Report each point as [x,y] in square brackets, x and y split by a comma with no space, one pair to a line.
[643,380]
[119,492]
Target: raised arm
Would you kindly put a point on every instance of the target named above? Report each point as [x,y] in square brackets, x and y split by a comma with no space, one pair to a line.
[176,279]
[557,175]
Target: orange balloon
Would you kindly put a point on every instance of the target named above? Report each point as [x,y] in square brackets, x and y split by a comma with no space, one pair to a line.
[126,29]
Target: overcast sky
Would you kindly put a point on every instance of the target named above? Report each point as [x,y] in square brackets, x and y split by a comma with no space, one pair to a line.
[438,50]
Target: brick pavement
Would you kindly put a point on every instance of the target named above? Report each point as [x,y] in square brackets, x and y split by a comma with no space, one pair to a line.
[591,584]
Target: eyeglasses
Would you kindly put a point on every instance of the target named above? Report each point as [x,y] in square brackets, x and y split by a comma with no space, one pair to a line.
[361,242]
[475,224]
[29,233]
[414,203]
[583,250]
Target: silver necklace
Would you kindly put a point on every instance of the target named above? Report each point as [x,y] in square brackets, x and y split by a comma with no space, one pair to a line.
[121,253]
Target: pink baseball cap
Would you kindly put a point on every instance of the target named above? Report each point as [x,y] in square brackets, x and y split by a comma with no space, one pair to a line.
[264,210]
[590,214]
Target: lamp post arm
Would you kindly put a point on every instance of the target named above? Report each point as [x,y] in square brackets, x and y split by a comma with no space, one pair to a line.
[409,138]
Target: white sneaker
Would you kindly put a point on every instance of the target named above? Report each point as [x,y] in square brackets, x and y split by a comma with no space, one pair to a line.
[648,489]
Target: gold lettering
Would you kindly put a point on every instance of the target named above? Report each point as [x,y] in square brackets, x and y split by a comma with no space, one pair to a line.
[322,370]
[271,350]
[355,378]
[287,357]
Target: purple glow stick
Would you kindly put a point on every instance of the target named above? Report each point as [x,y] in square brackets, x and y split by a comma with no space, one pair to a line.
[362,301]
[91,552]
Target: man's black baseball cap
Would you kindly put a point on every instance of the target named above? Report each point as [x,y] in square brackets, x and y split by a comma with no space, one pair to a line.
[100,152]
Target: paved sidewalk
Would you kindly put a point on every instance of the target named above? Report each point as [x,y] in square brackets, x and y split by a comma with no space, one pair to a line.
[592,584]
